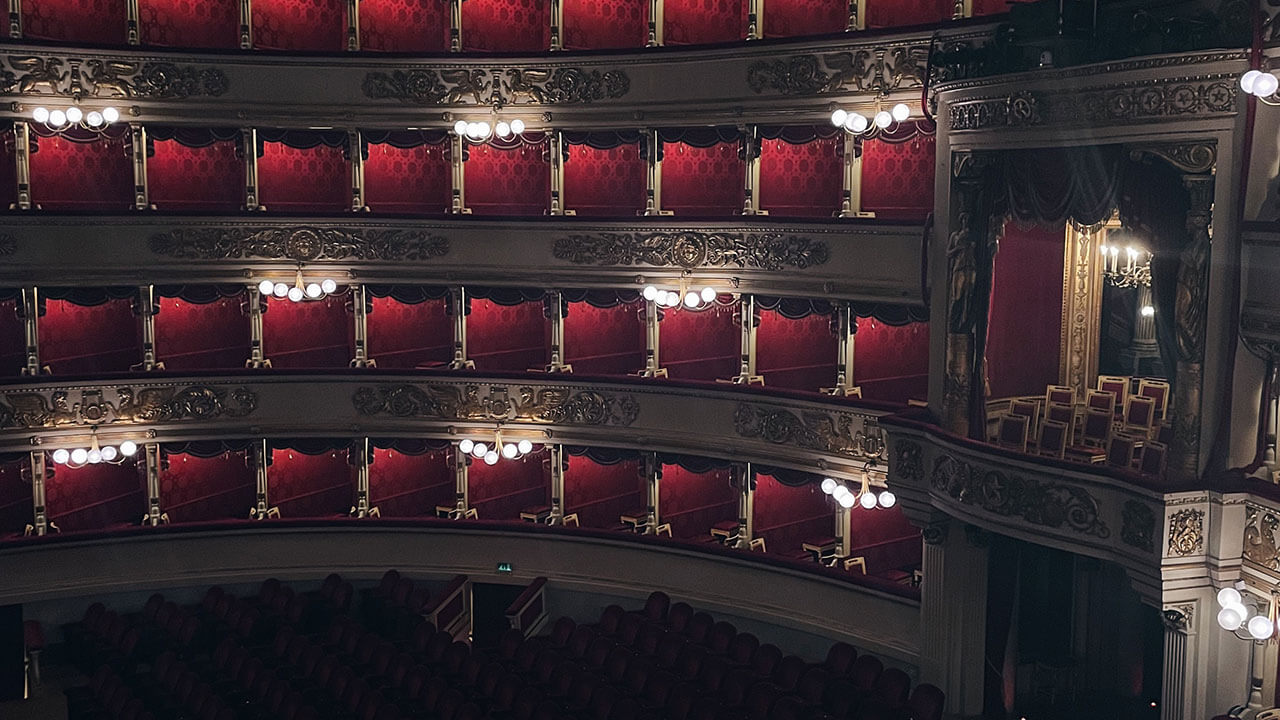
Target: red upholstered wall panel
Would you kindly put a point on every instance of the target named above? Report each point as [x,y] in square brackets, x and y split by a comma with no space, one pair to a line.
[404,25]
[406,336]
[796,354]
[897,179]
[701,344]
[891,363]
[8,170]
[801,180]
[702,182]
[94,497]
[692,22]
[410,485]
[191,336]
[80,340]
[190,23]
[605,341]
[792,18]
[68,175]
[600,494]
[500,492]
[878,525]
[506,25]
[300,25]
[788,516]
[993,7]
[407,180]
[15,499]
[693,502]
[508,181]
[311,334]
[88,22]
[304,485]
[595,24]
[900,13]
[291,180]
[605,183]
[13,341]
[196,489]
[507,337]
[209,179]
[1024,335]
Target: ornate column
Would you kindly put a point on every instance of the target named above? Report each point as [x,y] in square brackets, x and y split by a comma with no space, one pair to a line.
[851,184]
[249,142]
[364,459]
[655,24]
[355,149]
[555,310]
[652,338]
[15,19]
[455,25]
[457,174]
[651,147]
[857,11]
[261,460]
[557,23]
[138,138]
[131,14]
[353,25]
[653,477]
[1173,686]
[1143,344]
[751,181]
[755,19]
[147,311]
[31,329]
[748,321]
[846,327]
[961,9]
[557,484]
[844,543]
[360,315]
[953,601]
[246,25]
[256,359]
[460,308]
[1081,310]
[22,164]
[557,174]
[462,501]
[152,455]
[746,505]
[39,521]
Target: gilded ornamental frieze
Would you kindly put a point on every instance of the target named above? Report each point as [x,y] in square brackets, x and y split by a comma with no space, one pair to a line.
[840,433]
[689,250]
[50,409]
[1186,532]
[1138,525]
[301,244]
[472,86]
[874,69]
[552,405]
[1260,542]
[108,78]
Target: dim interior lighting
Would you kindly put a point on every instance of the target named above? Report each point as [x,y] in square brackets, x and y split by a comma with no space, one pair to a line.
[300,290]
[479,449]
[517,126]
[883,119]
[329,286]
[491,458]
[460,127]
[867,501]
[1261,627]
[1133,271]
[110,114]
[887,499]
[1248,618]
[525,447]
[41,114]
[1229,618]
[280,290]
[1262,85]
[296,294]
[856,123]
[128,448]
[478,131]
[266,287]
[74,115]
[1148,311]
[94,118]
[1228,596]
[503,129]
[708,294]
[692,298]
[846,500]
[57,119]
[313,290]
[61,456]
[509,451]
[492,453]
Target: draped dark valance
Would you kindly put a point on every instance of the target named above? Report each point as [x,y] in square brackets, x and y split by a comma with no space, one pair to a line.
[694,463]
[311,446]
[527,139]
[602,139]
[797,308]
[200,294]
[10,294]
[405,139]
[190,136]
[603,299]
[207,448]
[603,455]
[88,296]
[799,134]
[302,139]
[410,446]
[700,137]
[794,308]
[787,476]
[408,294]
[905,132]
[505,295]
[78,135]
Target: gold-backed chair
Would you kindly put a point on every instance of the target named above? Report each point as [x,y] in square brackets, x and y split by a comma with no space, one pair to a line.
[1011,432]
[1139,418]
[1158,391]
[1121,451]
[1053,437]
[1154,456]
[1062,394]
[1116,384]
[1101,400]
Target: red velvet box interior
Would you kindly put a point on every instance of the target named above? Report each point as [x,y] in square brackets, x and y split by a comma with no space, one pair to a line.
[507,337]
[13,339]
[416,26]
[1026,310]
[295,180]
[303,485]
[71,175]
[16,510]
[508,181]
[693,502]
[309,334]
[868,527]
[702,182]
[413,180]
[605,183]
[404,335]
[8,168]
[198,489]
[604,341]
[891,363]
[403,485]
[85,22]
[700,344]
[597,24]
[897,178]
[195,336]
[76,339]
[786,517]
[801,179]
[601,494]
[190,23]
[300,25]
[993,7]
[95,497]
[506,25]
[794,18]
[796,354]
[901,13]
[208,179]
[501,491]
[694,22]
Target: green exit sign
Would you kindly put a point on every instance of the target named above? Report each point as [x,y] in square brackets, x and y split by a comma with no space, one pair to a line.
[505,567]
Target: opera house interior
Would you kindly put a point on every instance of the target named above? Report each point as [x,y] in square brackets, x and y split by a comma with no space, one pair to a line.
[640,360]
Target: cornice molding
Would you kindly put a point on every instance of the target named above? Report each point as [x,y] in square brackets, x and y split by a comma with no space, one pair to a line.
[52,408]
[559,405]
[841,433]
[878,69]
[496,86]
[61,75]
[301,243]
[691,249]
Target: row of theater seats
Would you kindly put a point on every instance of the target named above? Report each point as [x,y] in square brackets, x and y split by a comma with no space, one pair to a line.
[289,656]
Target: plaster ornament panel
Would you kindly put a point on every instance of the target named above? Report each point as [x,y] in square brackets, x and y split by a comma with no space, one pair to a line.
[46,409]
[1021,109]
[877,69]
[1138,525]
[834,432]
[302,244]
[1186,532]
[908,461]
[552,405]
[689,250]
[1260,544]
[514,86]
[108,78]
[8,245]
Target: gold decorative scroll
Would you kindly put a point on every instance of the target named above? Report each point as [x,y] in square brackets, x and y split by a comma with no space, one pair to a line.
[1081,309]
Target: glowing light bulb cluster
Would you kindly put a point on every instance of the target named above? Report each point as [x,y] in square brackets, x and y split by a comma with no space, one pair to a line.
[300,291]
[498,450]
[73,116]
[1234,615]
[674,298]
[1259,84]
[857,123]
[479,131]
[866,499]
[95,454]
[1133,271]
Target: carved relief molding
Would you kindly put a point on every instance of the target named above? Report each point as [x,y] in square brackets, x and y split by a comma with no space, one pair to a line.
[1186,532]
[554,405]
[110,78]
[301,244]
[878,70]
[40,409]
[689,250]
[8,245]
[840,433]
[907,460]
[1020,109]
[1138,525]
[1260,546]
[1081,310]
[495,86]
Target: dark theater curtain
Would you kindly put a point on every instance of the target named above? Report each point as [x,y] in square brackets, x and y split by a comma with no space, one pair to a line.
[794,18]
[897,178]
[1026,310]
[412,26]
[309,334]
[702,181]
[71,171]
[96,497]
[597,24]
[891,362]
[414,179]
[86,22]
[13,339]
[196,173]
[787,516]
[600,494]
[605,340]
[202,333]
[796,353]
[405,485]
[694,22]
[16,510]
[300,25]
[506,25]
[8,167]
[700,344]
[190,23]
[901,13]
[509,178]
[694,501]
[305,172]
[501,491]
[85,339]
[507,337]
[316,483]
[605,181]
[410,334]
[202,489]
[802,179]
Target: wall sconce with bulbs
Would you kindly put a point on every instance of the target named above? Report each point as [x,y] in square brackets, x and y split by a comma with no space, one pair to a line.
[59,120]
[76,457]
[301,290]
[480,131]
[856,123]
[492,453]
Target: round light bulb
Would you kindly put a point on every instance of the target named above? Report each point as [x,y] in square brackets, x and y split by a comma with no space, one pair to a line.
[1248,79]
[503,129]
[840,491]
[94,457]
[517,126]
[128,448]
[295,294]
[465,445]
[828,485]
[856,122]
[838,116]
[1266,85]
[691,299]
[110,114]
[650,293]
[1148,311]
[525,447]
[509,451]
[483,128]
[901,112]
[266,286]
[1241,609]
[479,449]
[460,127]
[328,285]
[61,456]
[280,290]
[79,456]
[74,115]
[867,501]
[473,130]
[1229,619]
[887,499]
[491,458]
[57,118]
[846,501]
[883,119]
[1261,627]
[1228,596]
[313,290]
[41,114]
[708,294]
[109,453]
[94,118]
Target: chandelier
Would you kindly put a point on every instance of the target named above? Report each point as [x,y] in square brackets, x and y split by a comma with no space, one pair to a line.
[857,123]
[301,290]
[1134,271]
[59,120]
[1236,616]
[480,131]
[1262,85]
[682,295]
[94,454]
[867,499]
[492,453]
